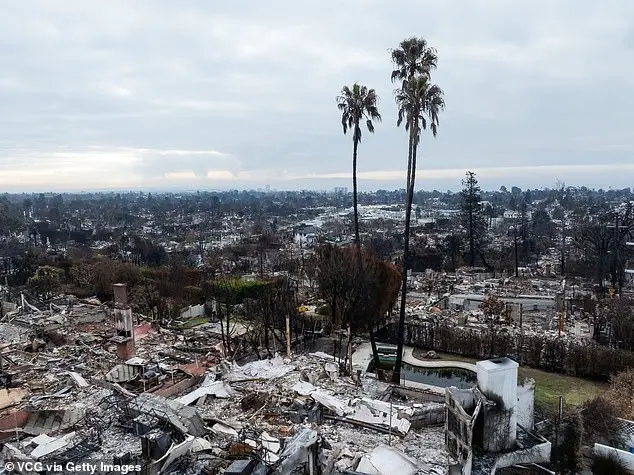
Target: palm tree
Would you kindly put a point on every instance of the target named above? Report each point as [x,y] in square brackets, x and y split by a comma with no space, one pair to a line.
[419,103]
[414,57]
[357,104]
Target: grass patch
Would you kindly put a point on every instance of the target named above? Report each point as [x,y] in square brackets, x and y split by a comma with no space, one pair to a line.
[549,386]
[194,322]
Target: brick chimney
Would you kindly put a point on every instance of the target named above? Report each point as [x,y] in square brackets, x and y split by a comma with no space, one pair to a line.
[124,328]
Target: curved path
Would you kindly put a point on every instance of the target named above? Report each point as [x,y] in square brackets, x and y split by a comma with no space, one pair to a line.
[363,355]
[409,358]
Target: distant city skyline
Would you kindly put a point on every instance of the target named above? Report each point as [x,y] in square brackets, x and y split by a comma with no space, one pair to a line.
[605,177]
[155,94]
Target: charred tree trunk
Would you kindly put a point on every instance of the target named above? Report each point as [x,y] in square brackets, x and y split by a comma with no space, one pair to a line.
[228,332]
[267,344]
[375,350]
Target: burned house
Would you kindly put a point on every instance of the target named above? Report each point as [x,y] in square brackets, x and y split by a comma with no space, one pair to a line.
[482,431]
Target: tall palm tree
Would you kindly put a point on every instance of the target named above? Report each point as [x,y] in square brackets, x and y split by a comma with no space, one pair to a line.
[413,57]
[357,104]
[419,104]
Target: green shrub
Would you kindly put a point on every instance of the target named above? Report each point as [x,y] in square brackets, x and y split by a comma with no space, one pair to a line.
[323,310]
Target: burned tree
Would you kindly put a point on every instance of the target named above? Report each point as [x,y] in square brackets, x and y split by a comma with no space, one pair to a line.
[618,314]
[495,313]
[595,241]
[229,293]
[45,282]
[356,296]
[603,243]
[337,272]
[266,311]
[378,288]
[451,247]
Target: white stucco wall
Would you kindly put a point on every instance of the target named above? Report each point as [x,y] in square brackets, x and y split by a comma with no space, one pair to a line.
[626,458]
[193,311]
[526,404]
[497,379]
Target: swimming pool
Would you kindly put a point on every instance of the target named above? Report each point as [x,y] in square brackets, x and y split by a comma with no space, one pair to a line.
[443,377]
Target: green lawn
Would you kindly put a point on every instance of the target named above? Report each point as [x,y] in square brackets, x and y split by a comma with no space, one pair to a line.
[194,322]
[549,386]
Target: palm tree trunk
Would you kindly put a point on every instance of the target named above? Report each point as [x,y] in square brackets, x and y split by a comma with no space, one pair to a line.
[396,375]
[412,74]
[409,167]
[357,239]
[354,193]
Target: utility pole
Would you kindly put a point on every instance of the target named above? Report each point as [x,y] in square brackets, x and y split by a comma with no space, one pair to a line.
[562,313]
[349,348]
[629,271]
[615,264]
[560,415]
[288,336]
[616,250]
[515,241]
[563,246]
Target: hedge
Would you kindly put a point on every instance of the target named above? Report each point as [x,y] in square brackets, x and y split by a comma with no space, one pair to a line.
[550,353]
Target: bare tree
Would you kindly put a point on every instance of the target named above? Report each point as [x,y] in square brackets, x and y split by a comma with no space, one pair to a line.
[377,287]
[496,313]
[619,315]
[603,242]
[359,296]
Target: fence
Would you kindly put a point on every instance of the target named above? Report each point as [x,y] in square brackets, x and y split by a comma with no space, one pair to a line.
[558,355]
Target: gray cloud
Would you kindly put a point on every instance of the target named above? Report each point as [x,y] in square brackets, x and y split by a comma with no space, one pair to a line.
[125,84]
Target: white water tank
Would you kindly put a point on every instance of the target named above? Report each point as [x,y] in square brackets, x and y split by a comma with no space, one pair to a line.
[497,380]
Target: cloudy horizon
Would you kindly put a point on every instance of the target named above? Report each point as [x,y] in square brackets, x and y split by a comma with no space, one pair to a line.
[194,95]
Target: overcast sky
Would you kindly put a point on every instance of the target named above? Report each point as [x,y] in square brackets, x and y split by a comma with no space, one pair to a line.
[164,94]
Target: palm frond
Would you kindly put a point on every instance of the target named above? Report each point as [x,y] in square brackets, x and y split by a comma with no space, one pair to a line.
[358,103]
[419,104]
[413,57]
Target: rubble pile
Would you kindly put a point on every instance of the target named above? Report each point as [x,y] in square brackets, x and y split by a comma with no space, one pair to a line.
[177,406]
[279,413]
[538,304]
[275,398]
[82,381]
